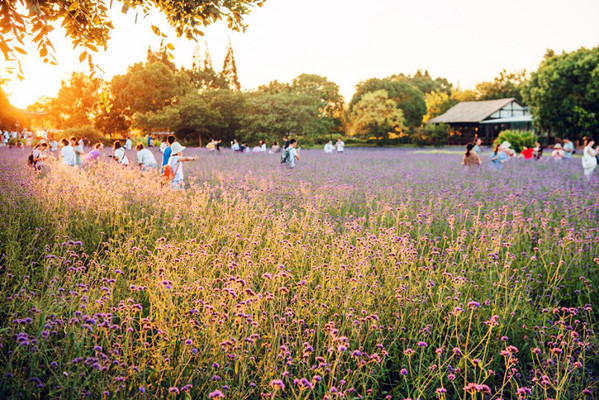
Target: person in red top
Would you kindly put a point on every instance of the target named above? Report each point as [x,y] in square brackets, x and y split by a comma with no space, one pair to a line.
[528,153]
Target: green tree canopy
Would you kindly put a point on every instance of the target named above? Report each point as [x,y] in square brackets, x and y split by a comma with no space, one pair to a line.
[407,97]
[327,93]
[505,85]
[563,93]
[376,115]
[424,82]
[88,25]
[271,116]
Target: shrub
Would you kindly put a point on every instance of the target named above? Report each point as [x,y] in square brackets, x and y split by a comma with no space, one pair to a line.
[431,135]
[518,139]
[85,131]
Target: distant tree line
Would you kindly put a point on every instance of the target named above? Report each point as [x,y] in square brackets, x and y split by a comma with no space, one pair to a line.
[199,103]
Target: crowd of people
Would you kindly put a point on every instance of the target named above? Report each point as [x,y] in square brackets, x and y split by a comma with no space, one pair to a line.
[503,151]
[73,154]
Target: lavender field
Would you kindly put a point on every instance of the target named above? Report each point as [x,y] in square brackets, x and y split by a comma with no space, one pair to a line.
[377,274]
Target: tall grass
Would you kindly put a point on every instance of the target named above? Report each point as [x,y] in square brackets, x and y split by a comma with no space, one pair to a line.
[376,274]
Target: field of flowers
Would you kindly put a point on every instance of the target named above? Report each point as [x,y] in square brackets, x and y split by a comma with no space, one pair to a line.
[377,274]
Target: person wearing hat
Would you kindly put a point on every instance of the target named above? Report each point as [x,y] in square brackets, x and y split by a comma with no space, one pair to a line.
[175,161]
[558,153]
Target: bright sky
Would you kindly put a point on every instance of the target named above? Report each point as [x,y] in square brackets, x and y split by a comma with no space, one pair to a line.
[347,41]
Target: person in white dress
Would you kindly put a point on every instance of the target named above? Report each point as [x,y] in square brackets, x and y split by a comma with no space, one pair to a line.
[128,144]
[589,158]
[340,145]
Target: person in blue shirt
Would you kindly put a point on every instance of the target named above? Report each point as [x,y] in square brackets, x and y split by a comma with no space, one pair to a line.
[568,149]
[167,152]
[499,157]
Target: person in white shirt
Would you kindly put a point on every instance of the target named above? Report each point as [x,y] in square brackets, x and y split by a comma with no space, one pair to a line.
[128,143]
[119,154]
[589,158]
[53,145]
[328,147]
[145,158]
[263,146]
[340,146]
[67,153]
[235,145]
[163,145]
[291,154]
[175,161]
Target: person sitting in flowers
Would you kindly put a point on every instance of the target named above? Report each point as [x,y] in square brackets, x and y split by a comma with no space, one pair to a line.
[175,162]
[119,153]
[145,159]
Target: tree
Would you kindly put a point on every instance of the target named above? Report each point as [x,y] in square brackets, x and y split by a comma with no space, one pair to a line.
[376,115]
[88,24]
[327,92]
[424,82]
[229,72]
[505,85]
[271,116]
[76,103]
[437,103]
[149,88]
[563,93]
[407,97]
[201,75]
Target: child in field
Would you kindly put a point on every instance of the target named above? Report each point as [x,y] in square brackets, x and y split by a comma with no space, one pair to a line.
[291,154]
[175,162]
[145,159]
[67,153]
[527,153]
[340,145]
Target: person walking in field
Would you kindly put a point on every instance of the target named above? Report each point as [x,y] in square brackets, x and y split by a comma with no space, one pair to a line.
[145,159]
[589,158]
[119,154]
[471,159]
[67,153]
[291,154]
[176,164]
